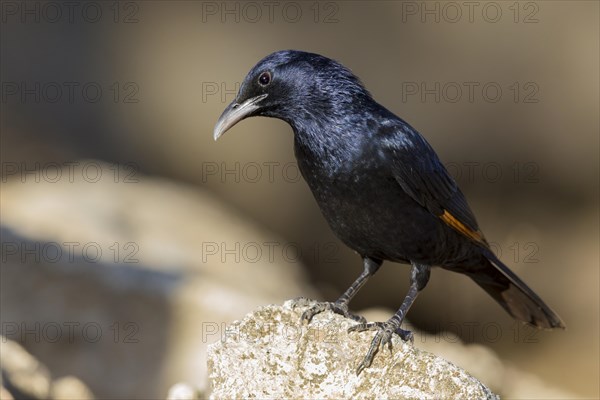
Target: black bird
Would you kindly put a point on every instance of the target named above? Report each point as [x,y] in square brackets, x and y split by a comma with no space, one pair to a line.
[379,184]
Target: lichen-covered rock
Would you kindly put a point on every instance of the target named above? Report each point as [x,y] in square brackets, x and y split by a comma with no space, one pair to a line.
[270,354]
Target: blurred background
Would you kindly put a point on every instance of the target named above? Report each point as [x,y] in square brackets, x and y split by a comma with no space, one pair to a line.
[129,237]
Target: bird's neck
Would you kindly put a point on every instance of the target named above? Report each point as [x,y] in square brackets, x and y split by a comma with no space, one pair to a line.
[325,146]
[330,133]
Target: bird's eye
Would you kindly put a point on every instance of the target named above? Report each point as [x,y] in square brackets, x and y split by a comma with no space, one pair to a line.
[265,78]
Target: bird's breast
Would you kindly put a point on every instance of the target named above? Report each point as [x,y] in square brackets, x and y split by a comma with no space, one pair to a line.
[368,210]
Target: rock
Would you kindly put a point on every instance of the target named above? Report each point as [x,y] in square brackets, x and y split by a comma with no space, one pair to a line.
[173,265]
[270,355]
[22,374]
[483,363]
[183,391]
[5,394]
[70,388]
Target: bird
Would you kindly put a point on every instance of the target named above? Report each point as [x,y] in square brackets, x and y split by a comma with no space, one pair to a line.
[381,187]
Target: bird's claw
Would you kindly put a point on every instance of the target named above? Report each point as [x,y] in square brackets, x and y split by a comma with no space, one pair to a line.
[336,307]
[385,330]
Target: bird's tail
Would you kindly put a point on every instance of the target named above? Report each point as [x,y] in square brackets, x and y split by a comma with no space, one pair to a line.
[513,294]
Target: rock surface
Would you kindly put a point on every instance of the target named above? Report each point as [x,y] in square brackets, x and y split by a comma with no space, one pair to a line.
[269,354]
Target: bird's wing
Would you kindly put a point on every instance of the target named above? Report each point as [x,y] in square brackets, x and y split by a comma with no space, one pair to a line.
[418,170]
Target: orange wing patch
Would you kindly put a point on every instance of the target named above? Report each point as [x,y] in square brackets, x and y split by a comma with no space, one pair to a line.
[460,227]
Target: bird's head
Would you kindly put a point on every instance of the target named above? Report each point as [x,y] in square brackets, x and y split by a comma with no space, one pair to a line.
[294,86]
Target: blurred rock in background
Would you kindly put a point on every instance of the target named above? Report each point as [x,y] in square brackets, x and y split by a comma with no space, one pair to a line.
[127,283]
[24,377]
[506,92]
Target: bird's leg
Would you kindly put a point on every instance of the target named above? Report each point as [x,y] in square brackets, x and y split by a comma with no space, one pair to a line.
[419,277]
[340,306]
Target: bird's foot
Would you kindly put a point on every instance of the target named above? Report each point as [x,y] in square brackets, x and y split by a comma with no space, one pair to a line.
[385,330]
[337,307]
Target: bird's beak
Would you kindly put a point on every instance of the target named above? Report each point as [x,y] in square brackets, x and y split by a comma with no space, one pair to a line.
[235,112]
